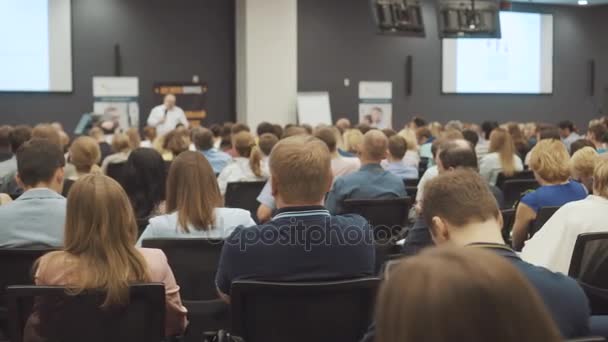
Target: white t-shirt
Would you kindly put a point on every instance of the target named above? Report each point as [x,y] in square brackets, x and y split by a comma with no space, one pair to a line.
[429,174]
[175,116]
[342,166]
[490,166]
[239,171]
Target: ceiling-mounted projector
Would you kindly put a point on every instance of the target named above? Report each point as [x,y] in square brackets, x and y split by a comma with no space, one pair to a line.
[469,18]
[401,17]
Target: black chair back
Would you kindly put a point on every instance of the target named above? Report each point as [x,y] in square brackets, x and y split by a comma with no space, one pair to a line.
[526,175]
[422,166]
[64,317]
[118,172]
[194,264]
[243,195]
[544,214]
[508,218]
[411,182]
[17,267]
[513,189]
[302,312]
[589,265]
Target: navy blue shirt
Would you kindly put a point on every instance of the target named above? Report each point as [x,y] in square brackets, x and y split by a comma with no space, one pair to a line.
[298,244]
[370,182]
[563,297]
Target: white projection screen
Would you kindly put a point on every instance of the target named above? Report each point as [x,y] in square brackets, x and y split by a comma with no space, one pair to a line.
[36,49]
[521,62]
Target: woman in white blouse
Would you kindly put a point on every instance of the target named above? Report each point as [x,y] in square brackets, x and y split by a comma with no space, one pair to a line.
[501,157]
[247,166]
[553,244]
[194,204]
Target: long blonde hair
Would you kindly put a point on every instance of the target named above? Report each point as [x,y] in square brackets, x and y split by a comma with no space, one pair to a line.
[245,146]
[502,143]
[100,235]
[192,191]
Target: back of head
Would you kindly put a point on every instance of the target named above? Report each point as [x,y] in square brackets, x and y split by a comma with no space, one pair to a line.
[598,131]
[566,125]
[502,143]
[471,136]
[245,146]
[101,231]
[549,161]
[264,127]
[582,164]
[308,128]
[177,141]
[18,136]
[5,132]
[353,139]
[487,127]
[548,132]
[579,144]
[418,122]
[423,134]
[96,133]
[293,131]
[375,146]
[471,299]
[266,143]
[192,191]
[363,128]
[328,136]
[450,134]
[121,143]
[145,181]
[397,146]
[455,125]
[410,137]
[459,198]
[202,138]
[343,124]
[600,178]
[301,166]
[84,153]
[150,133]
[238,128]
[38,161]
[216,130]
[454,154]
[134,138]
[389,132]
[48,132]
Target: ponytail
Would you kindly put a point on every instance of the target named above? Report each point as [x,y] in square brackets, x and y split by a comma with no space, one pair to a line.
[255,161]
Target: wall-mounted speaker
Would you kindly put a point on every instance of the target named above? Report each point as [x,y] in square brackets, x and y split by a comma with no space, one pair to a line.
[591,73]
[409,70]
[117,61]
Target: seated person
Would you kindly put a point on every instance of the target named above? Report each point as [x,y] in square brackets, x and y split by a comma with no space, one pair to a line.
[394,163]
[301,175]
[371,181]
[580,144]
[145,182]
[471,300]
[122,147]
[451,155]
[340,166]
[596,134]
[85,156]
[37,217]
[582,164]
[17,137]
[203,141]
[502,157]
[194,204]
[553,244]
[5,143]
[266,143]
[425,141]
[549,161]
[247,166]
[99,252]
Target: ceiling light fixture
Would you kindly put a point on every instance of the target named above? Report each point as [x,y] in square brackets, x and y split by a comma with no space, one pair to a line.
[583,2]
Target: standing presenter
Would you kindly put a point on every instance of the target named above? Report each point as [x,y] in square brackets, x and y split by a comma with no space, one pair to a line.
[167,116]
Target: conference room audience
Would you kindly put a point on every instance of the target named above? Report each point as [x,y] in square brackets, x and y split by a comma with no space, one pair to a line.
[483,146]
[552,246]
[579,144]
[353,138]
[340,166]
[501,157]
[301,175]
[105,147]
[37,217]
[194,204]
[549,162]
[48,132]
[463,295]
[460,210]
[17,137]
[122,147]
[582,165]
[144,182]
[99,253]
[411,157]
[149,137]
[596,134]
[425,143]
[568,133]
[247,166]
[371,181]
[264,128]
[394,163]
[84,155]
[471,136]
[522,146]
[176,142]
[5,143]
[266,143]
[204,143]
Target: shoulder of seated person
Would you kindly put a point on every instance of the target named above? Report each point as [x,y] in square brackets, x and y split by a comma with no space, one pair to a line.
[351,219]
[232,212]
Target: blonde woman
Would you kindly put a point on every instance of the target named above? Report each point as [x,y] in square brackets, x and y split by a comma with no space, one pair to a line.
[549,161]
[247,166]
[582,164]
[353,138]
[501,157]
[412,157]
[85,155]
[99,253]
[121,146]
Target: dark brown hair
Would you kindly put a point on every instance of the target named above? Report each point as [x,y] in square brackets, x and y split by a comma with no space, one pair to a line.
[48,132]
[192,191]
[464,294]
[266,142]
[327,136]
[397,146]
[459,197]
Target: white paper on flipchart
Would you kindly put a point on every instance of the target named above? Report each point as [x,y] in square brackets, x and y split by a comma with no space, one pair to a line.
[314,108]
[375,90]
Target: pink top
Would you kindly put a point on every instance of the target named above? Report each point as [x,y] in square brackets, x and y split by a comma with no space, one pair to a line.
[60,274]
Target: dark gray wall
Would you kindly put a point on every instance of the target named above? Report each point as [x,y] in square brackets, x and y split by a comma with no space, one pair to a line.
[160,41]
[338,40]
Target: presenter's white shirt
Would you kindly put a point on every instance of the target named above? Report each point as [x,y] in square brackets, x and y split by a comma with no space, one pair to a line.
[175,116]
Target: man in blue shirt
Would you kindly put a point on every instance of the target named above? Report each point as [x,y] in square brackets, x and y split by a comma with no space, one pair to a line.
[37,217]
[397,147]
[203,140]
[303,241]
[371,181]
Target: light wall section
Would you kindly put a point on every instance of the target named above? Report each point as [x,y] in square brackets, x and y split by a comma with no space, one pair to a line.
[267,61]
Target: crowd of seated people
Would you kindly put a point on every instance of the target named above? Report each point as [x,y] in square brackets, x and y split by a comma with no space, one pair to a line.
[173,186]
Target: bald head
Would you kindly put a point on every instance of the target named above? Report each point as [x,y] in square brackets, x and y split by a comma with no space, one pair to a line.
[454,154]
[170,101]
[375,146]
